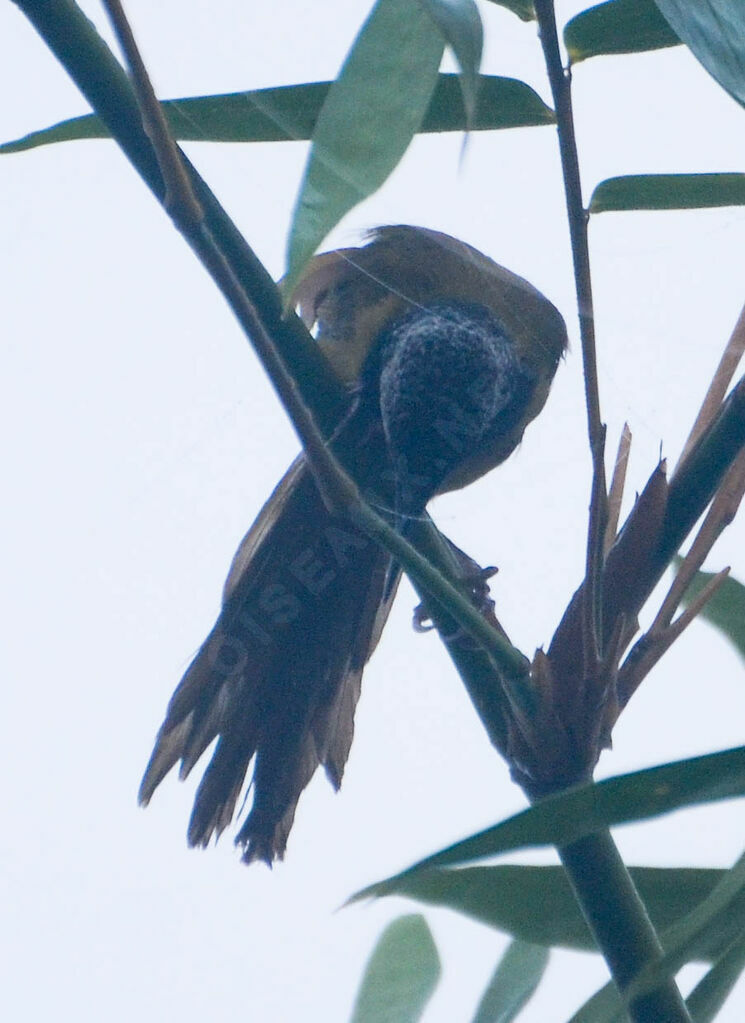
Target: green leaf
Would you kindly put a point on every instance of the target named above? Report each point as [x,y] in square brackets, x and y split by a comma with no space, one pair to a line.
[605,1006]
[684,941]
[563,818]
[524,9]
[725,610]
[714,924]
[618,26]
[714,31]
[288,113]
[668,192]
[459,22]
[703,1003]
[371,113]
[711,992]
[500,103]
[513,983]
[536,904]
[401,974]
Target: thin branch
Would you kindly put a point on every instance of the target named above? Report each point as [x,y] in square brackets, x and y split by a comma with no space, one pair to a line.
[695,484]
[720,515]
[338,490]
[663,516]
[336,487]
[617,484]
[733,353]
[700,475]
[180,200]
[560,81]
[661,519]
[74,41]
[656,642]
[474,665]
[507,657]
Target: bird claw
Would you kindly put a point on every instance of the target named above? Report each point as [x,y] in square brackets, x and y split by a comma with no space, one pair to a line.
[476,586]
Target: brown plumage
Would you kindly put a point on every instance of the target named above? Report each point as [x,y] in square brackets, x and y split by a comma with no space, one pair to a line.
[448,357]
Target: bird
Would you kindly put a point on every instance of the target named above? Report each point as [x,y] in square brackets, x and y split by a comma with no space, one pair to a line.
[446,357]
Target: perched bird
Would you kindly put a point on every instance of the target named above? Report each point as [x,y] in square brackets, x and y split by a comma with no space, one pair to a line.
[447,357]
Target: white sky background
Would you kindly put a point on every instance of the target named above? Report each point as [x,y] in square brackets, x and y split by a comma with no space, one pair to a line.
[141,438]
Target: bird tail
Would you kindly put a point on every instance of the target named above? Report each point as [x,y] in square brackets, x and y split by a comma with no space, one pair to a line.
[278,678]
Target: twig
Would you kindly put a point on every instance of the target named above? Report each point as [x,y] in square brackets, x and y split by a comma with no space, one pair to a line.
[720,515]
[180,200]
[625,936]
[695,484]
[338,490]
[733,352]
[675,629]
[656,642]
[700,475]
[336,487]
[560,81]
[74,41]
[507,657]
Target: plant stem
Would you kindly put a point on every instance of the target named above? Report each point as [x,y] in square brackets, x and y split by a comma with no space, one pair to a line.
[251,294]
[432,581]
[730,360]
[602,885]
[619,922]
[560,81]
[74,41]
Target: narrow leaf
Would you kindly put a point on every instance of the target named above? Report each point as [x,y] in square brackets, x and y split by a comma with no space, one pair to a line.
[703,1003]
[617,26]
[524,9]
[537,905]
[513,983]
[560,819]
[725,610]
[401,974]
[714,31]
[668,192]
[712,991]
[371,113]
[289,113]
[683,941]
[605,1006]
[459,22]
[715,923]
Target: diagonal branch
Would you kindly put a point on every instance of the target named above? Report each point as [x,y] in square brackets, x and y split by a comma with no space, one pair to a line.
[314,398]
[655,643]
[74,41]
[733,352]
[338,490]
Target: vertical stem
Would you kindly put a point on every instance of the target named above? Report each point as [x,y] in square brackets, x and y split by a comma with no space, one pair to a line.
[560,81]
[620,925]
[601,882]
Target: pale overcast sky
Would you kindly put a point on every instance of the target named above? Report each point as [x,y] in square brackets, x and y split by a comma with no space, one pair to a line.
[141,438]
